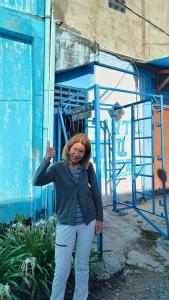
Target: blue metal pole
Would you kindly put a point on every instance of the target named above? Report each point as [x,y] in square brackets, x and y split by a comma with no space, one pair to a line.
[152,223]
[110,161]
[51,78]
[59,137]
[51,95]
[114,162]
[54,136]
[97,135]
[105,155]
[124,70]
[46,75]
[63,125]
[98,154]
[86,120]
[46,106]
[128,92]
[109,142]
[133,154]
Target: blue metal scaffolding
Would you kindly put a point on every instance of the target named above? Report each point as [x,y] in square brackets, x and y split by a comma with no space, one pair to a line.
[141,164]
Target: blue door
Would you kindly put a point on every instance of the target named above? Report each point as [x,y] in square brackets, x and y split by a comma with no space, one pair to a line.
[16,126]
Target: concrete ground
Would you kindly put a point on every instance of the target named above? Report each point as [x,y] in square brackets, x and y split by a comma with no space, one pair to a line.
[137,266]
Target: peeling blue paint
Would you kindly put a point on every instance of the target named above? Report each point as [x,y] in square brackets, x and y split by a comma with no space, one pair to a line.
[26,6]
[22,42]
[16,56]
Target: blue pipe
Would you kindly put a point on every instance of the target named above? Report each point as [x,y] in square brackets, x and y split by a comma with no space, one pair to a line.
[133,161]
[114,161]
[116,68]
[45,132]
[98,155]
[105,155]
[59,138]
[97,135]
[46,74]
[63,125]
[86,120]
[151,223]
[129,92]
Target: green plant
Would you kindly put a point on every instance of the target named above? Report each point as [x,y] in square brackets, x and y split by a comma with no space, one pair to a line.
[19,218]
[5,292]
[27,260]
[3,228]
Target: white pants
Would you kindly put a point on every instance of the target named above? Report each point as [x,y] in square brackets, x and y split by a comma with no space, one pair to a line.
[66,237]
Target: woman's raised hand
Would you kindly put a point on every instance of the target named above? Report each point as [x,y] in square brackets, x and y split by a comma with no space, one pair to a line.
[50,152]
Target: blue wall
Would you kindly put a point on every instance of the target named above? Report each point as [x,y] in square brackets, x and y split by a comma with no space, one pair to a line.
[34,7]
[21,105]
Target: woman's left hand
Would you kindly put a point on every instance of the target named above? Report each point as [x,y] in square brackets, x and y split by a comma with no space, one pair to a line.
[99,227]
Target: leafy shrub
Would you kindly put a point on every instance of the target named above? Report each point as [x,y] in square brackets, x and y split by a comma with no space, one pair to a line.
[27,260]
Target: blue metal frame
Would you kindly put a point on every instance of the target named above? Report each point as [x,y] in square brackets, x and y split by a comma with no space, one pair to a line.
[114,162]
[110,142]
[133,157]
[153,100]
[98,153]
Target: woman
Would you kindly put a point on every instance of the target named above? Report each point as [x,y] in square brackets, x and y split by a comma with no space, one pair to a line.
[79,212]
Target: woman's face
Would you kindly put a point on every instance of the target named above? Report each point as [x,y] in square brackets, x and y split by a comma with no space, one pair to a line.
[76,153]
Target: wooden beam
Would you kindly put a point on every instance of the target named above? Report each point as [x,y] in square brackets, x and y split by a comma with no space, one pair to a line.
[163,71]
[163,84]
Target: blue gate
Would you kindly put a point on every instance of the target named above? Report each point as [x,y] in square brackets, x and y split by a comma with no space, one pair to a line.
[148,203]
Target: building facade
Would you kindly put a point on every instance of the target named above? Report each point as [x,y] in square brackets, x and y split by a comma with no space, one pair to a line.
[133,28]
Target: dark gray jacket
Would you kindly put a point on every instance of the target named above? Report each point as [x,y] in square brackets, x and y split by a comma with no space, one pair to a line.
[67,191]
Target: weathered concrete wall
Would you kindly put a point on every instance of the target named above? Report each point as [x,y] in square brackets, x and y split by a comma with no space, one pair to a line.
[126,33]
[73,50]
[155,42]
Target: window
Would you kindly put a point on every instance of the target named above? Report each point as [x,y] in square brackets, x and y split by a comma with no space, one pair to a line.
[117,5]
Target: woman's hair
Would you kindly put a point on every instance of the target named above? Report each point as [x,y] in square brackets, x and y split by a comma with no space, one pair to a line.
[84,140]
